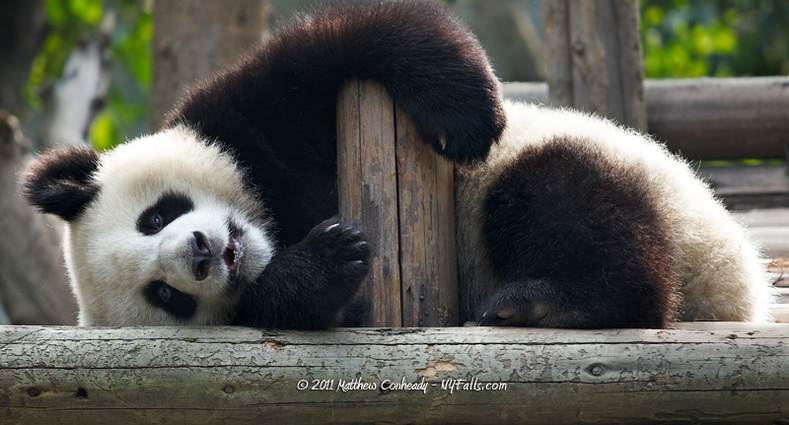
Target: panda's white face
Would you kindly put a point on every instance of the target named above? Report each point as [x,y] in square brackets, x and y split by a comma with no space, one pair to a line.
[172,237]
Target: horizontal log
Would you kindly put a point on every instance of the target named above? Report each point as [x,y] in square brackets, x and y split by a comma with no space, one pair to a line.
[721,118]
[710,372]
[746,187]
[708,118]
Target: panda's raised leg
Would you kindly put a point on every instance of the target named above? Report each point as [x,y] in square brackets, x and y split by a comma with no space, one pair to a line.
[575,241]
[307,285]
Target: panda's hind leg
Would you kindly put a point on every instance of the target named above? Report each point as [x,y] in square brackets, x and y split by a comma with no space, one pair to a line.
[529,303]
[574,240]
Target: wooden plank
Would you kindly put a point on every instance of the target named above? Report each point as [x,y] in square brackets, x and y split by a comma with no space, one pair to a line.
[368,191]
[428,265]
[745,187]
[773,240]
[723,373]
[769,228]
[778,269]
[557,41]
[595,62]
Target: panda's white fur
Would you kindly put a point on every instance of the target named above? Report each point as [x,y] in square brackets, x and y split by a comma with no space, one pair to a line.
[110,262]
[718,267]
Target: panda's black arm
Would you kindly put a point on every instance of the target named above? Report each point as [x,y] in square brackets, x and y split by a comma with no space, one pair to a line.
[308,285]
[285,91]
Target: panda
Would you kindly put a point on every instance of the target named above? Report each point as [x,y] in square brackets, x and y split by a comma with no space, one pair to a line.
[227,215]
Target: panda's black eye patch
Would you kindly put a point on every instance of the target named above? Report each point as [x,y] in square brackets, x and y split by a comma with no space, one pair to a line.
[169,299]
[170,206]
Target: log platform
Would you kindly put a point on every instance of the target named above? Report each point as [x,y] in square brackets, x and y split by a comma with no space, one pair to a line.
[697,373]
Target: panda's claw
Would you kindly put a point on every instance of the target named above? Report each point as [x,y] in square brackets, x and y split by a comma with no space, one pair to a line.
[343,250]
[510,308]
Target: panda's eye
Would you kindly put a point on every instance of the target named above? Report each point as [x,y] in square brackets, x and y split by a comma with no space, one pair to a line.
[164,293]
[169,207]
[157,222]
[176,303]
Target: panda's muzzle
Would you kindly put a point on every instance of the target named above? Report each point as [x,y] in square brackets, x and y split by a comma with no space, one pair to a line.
[201,256]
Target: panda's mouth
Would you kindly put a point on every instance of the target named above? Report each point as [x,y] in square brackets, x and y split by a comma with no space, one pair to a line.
[230,256]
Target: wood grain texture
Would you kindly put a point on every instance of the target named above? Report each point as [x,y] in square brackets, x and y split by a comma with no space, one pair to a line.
[747,187]
[401,192]
[596,58]
[367,181]
[428,260]
[705,373]
[557,41]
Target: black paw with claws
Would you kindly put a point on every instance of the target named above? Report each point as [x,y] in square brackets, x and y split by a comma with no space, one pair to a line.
[310,284]
[343,251]
[512,306]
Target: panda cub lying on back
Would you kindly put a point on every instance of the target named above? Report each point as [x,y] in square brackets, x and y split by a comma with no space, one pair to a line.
[564,220]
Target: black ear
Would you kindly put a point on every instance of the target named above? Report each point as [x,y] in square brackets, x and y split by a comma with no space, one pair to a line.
[59,182]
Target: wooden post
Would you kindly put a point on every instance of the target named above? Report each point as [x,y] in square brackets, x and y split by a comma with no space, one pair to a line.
[595,60]
[402,193]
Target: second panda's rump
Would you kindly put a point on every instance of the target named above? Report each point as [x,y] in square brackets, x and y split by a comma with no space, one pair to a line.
[574,241]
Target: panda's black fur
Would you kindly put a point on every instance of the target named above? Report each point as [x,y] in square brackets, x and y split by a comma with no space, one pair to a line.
[602,231]
[560,223]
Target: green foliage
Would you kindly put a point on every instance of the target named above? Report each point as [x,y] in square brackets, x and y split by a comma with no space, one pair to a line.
[127,46]
[68,19]
[719,38]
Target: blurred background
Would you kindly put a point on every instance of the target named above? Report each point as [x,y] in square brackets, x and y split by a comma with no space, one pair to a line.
[46,42]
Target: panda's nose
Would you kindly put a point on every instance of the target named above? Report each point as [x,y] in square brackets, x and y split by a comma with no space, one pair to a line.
[201,256]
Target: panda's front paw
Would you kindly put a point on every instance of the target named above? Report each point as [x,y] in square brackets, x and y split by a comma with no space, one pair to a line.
[345,252]
[513,307]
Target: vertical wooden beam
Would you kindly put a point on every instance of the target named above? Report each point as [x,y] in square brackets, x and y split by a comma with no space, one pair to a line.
[402,193]
[368,191]
[428,262]
[595,61]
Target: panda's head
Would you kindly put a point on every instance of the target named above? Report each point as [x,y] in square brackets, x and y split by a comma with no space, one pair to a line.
[160,230]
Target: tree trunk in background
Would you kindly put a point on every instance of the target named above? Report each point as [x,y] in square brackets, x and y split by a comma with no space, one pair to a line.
[77,97]
[192,40]
[22,30]
[33,282]
[511,36]
[595,60]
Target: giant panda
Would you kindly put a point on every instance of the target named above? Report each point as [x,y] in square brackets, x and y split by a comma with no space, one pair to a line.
[226,215]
